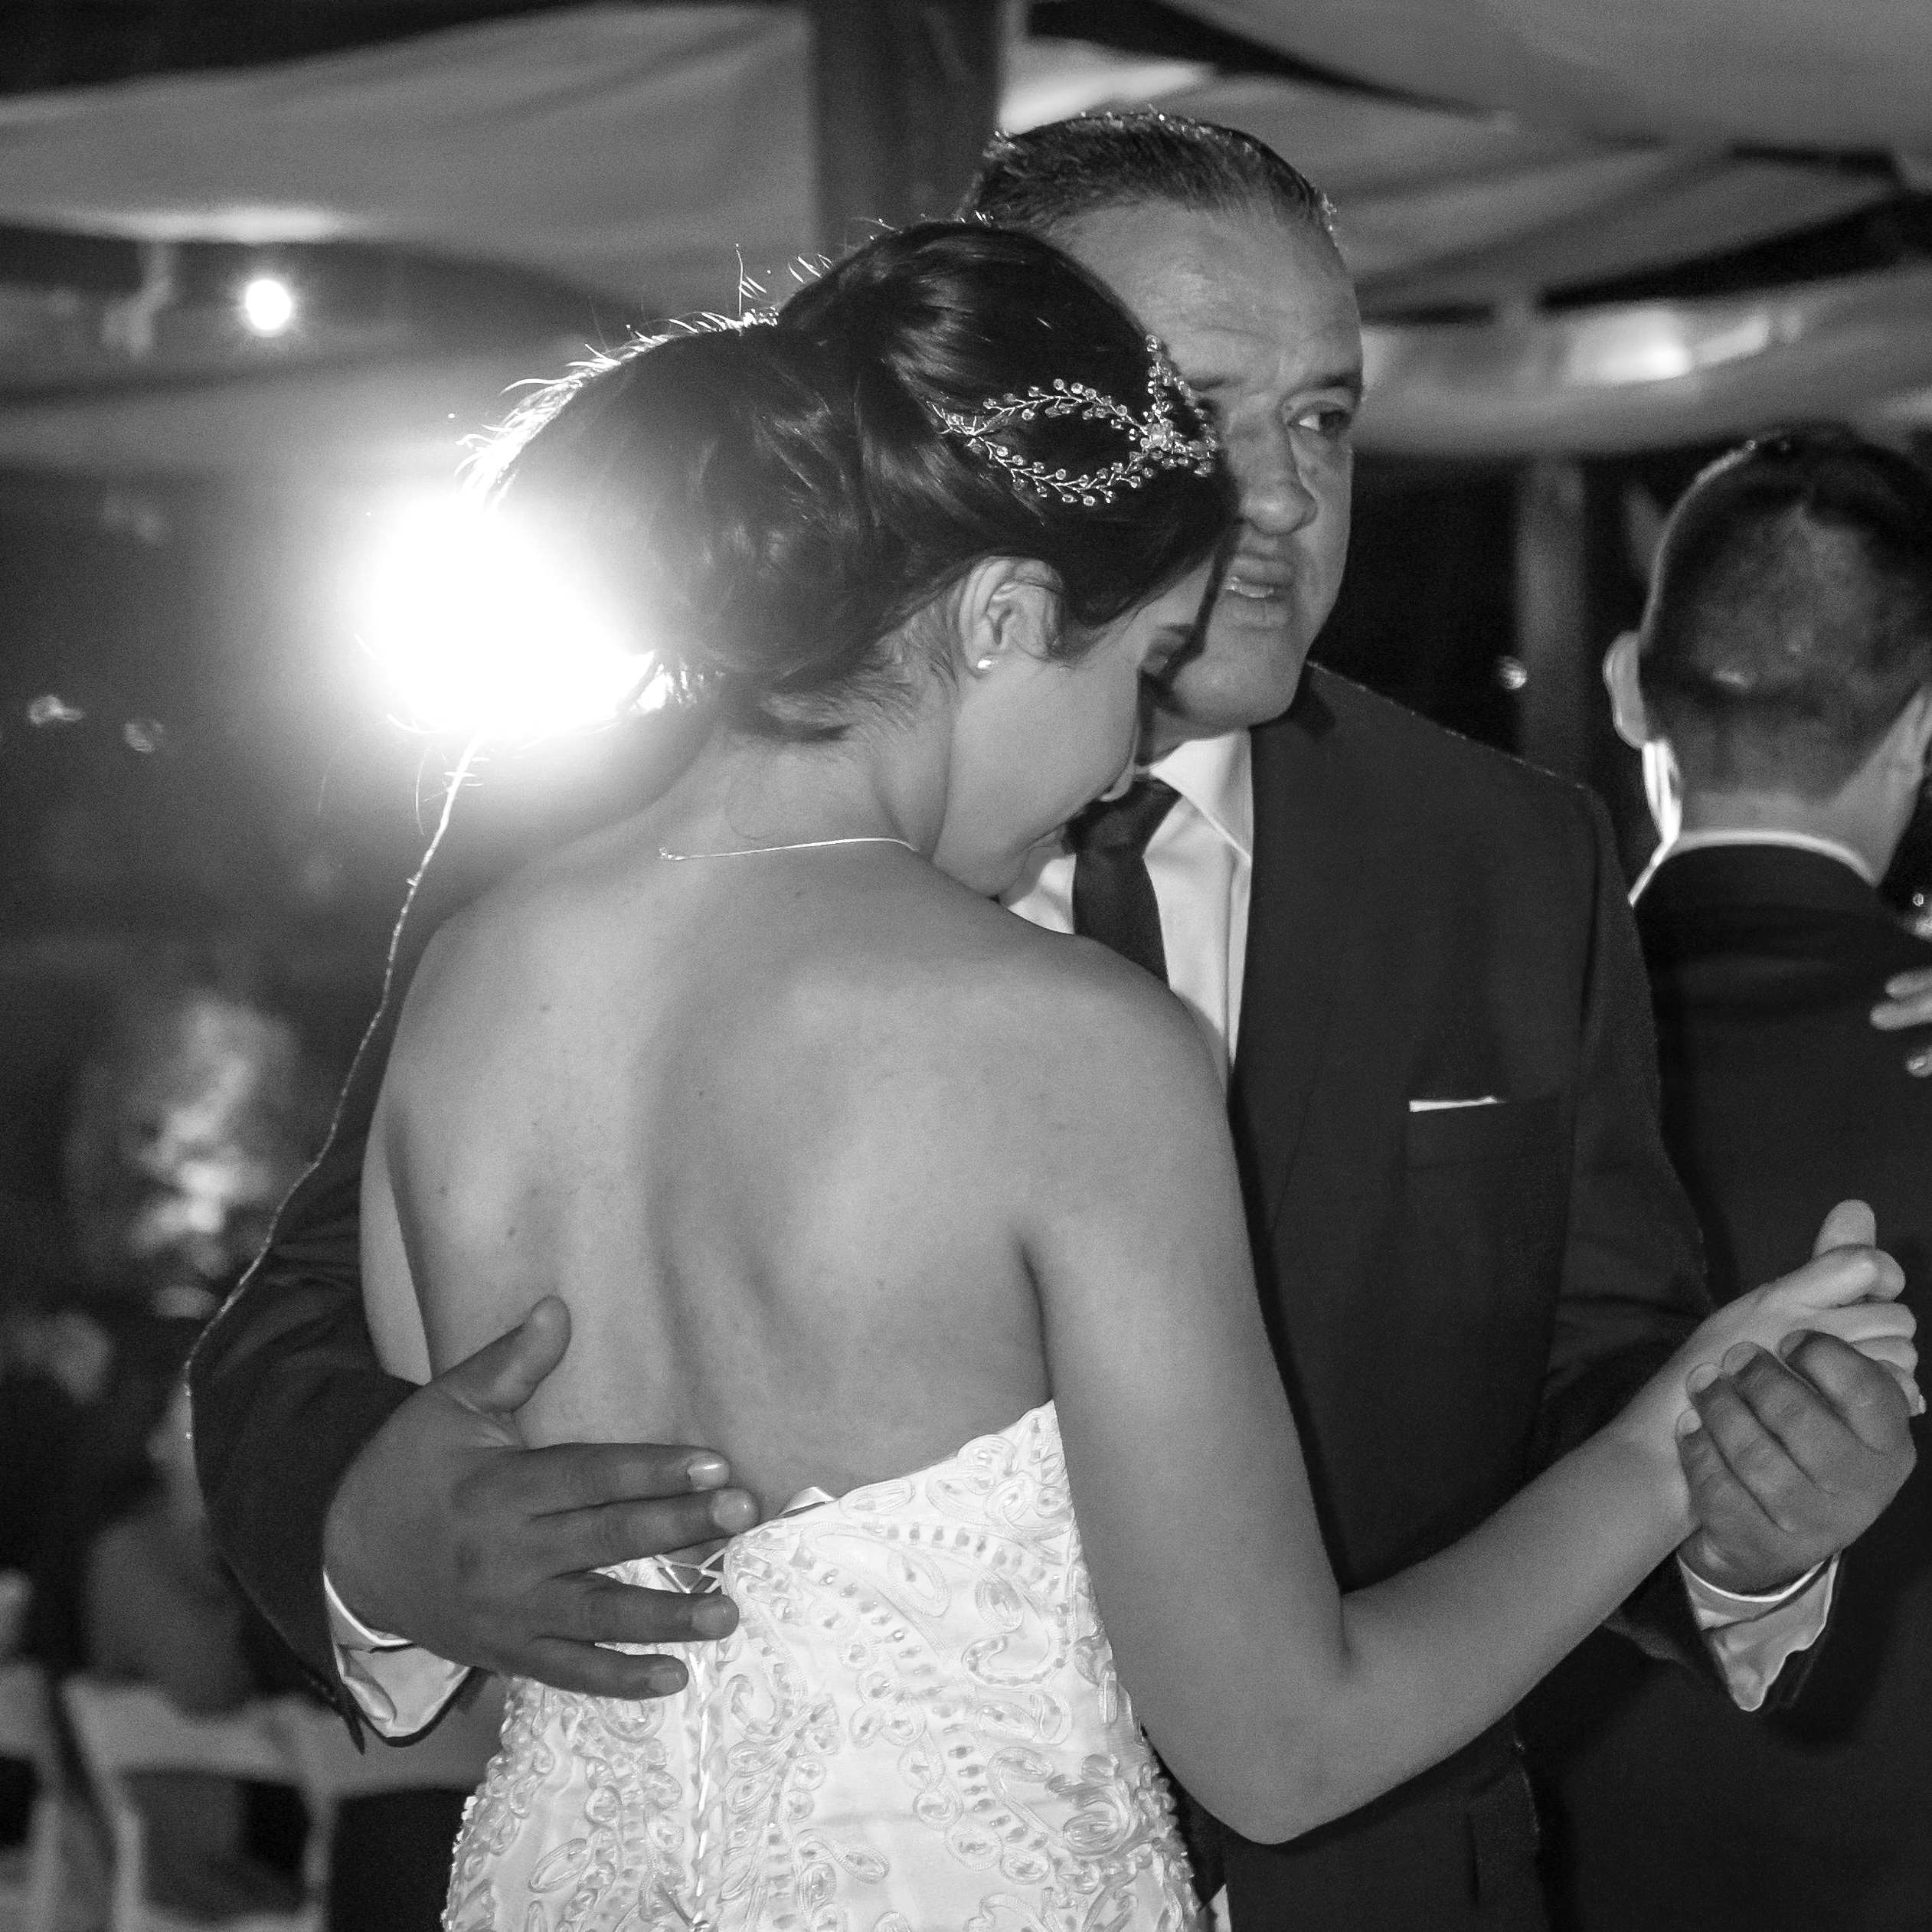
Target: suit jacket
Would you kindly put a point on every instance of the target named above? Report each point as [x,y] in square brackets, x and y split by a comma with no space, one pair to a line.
[1671,1808]
[1455,1294]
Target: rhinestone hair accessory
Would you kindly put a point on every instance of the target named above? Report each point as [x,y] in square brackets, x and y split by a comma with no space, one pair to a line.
[1156,440]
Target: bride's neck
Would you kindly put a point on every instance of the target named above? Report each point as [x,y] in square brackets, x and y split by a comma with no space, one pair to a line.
[882,780]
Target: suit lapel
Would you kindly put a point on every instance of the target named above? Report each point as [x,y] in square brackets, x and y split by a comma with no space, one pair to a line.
[1298,900]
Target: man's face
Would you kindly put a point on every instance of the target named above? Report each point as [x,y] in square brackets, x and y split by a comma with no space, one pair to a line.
[1259,317]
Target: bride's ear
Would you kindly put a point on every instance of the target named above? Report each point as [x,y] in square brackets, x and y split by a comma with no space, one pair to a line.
[1008,608]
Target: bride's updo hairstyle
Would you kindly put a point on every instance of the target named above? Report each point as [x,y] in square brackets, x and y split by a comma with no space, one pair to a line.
[770,504]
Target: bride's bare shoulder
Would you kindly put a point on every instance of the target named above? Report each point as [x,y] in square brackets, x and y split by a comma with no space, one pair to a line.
[923,972]
[525,932]
[1047,1009]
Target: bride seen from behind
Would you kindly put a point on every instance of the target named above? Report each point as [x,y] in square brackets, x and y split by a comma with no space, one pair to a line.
[921,1213]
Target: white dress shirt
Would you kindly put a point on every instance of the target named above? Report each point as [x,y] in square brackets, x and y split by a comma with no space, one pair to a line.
[1200,860]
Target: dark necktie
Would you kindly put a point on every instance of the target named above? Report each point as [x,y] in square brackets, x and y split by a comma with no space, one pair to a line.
[1114,902]
[1113,897]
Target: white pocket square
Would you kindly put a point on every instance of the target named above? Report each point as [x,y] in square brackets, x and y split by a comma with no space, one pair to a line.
[1437,1106]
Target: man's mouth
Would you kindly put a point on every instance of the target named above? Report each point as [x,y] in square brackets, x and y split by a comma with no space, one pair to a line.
[1257,582]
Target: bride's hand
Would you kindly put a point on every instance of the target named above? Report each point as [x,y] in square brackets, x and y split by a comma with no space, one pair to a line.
[1848,1290]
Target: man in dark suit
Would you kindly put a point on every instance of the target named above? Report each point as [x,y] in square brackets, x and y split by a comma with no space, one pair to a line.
[1416,956]
[1786,660]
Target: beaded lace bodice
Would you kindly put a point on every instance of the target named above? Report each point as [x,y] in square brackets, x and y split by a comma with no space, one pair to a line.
[917,1725]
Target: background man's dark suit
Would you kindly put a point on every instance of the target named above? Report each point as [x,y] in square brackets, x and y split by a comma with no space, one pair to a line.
[1456,1292]
[1671,1808]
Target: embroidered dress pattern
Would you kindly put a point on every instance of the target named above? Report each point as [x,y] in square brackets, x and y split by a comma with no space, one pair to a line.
[917,1725]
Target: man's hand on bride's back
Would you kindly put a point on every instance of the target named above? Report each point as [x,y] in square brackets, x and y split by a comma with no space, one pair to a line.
[448,1531]
[1802,1442]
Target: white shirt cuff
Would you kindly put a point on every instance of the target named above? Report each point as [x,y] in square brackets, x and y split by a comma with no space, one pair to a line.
[397,1685]
[1752,1638]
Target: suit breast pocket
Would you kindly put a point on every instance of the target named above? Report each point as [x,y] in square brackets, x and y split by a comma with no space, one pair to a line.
[1501,1131]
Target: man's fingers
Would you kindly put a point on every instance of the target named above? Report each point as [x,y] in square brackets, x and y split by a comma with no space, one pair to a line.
[568,1541]
[503,1374]
[1860,1323]
[586,1475]
[1863,1393]
[1898,1351]
[1724,1508]
[1805,1425]
[1753,1455]
[571,1666]
[1852,1223]
[599,1609]
[1907,1002]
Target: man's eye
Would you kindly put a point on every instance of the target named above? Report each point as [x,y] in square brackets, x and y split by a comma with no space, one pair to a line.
[1332,421]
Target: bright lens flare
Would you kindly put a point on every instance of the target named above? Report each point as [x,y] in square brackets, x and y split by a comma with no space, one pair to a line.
[483,630]
[268,305]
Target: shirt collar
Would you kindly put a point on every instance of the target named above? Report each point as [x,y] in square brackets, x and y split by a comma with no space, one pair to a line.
[1215,776]
[1803,842]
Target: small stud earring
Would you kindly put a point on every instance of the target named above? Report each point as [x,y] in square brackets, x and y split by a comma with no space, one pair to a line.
[985,664]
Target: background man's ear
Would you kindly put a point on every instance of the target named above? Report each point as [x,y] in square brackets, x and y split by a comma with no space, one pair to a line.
[1007,607]
[1663,789]
[1627,709]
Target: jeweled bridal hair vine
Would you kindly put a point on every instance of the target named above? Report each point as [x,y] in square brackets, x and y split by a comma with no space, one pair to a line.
[1156,441]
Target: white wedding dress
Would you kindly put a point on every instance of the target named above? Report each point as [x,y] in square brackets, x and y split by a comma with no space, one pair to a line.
[917,1726]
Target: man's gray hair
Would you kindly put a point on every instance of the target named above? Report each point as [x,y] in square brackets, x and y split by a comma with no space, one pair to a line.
[1050,175]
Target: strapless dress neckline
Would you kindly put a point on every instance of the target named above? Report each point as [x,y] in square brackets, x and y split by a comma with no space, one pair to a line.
[917,1725]
[703,1575]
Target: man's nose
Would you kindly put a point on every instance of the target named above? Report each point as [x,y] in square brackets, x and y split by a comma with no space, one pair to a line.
[1274,497]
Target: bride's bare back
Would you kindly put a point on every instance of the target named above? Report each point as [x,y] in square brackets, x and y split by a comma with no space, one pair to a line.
[767,1124]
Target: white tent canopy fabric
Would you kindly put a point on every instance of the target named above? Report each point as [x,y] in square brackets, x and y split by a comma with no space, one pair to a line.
[646,151]
[1649,375]
[632,151]
[1837,75]
[1440,207]
[641,152]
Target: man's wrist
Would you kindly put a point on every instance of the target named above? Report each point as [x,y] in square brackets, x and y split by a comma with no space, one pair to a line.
[1749,1603]
[1698,1560]
[343,1583]
[351,1632]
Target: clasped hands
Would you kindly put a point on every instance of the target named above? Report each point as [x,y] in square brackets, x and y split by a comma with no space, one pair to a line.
[448,1531]
[1791,1453]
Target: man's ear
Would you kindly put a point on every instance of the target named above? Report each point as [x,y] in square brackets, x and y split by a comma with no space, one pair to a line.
[1663,790]
[1628,711]
[1007,607]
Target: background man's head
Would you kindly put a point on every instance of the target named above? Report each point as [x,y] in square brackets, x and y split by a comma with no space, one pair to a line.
[1785,652]
[1227,254]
